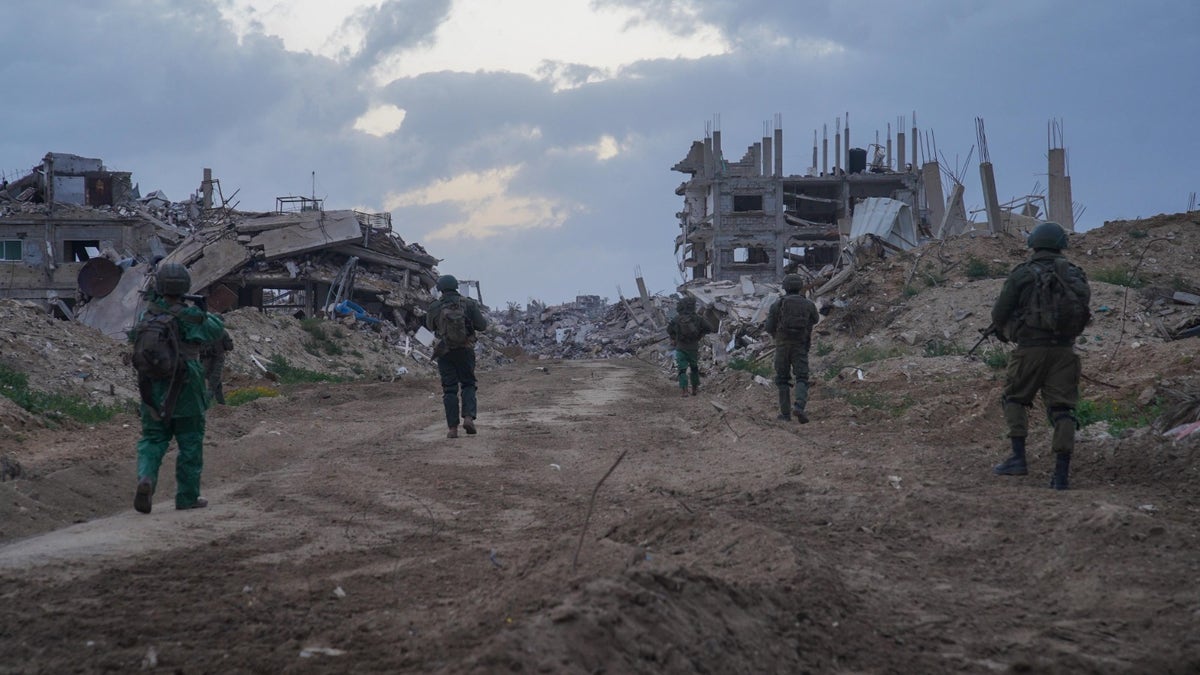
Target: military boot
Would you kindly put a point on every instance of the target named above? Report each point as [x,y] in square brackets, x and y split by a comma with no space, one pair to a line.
[695,389]
[452,433]
[800,415]
[141,498]
[1062,470]
[785,404]
[683,392]
[1015,464]
[469,425]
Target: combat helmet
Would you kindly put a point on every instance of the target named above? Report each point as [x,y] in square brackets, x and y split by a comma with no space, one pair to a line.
[447,282]
[793,283]
[172,279]
[1047,235]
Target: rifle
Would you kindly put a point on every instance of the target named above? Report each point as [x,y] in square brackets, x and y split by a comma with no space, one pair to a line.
[984,333]
[200,301]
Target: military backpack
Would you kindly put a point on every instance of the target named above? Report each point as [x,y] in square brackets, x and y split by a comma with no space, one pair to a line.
[688,327]
[157,354]
[1058,301]
[794,319]
[452,324]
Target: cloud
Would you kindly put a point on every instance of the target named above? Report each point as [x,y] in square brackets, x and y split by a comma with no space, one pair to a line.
[486,205]
[547,39]
[381,120]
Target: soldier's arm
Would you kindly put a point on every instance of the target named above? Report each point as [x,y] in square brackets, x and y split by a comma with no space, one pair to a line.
[430,315]
[1009,296]
[478,320]
[773,317]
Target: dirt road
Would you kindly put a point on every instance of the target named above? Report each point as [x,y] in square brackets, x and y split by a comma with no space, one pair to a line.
[346,534]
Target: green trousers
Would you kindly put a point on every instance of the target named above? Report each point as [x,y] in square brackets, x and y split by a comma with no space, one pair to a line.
[791,360]
[188,432]
[688,361]
[1052,371]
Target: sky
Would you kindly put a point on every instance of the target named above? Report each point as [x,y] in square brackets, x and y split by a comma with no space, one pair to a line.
[528,144]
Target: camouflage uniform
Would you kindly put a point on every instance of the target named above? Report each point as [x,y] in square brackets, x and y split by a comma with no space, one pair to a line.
[687,349]
[456,366]
[212,355]
[186,424]
[791,350]
[1042,361]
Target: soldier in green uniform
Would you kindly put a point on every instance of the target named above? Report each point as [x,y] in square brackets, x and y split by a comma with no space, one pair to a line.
[790,322]
[686,329]
[175,407]
[1044,359]
[455,320]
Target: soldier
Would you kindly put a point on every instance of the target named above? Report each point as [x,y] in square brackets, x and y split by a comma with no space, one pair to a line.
[455,320]
[174,405]
[1043,307]
[686,329]
[790,322]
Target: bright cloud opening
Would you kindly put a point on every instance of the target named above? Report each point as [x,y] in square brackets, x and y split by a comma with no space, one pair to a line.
[316,26]
[380,120]
[523,37]
[487,206]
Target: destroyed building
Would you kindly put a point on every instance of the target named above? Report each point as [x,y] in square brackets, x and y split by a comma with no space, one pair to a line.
[747,218]
[80,240]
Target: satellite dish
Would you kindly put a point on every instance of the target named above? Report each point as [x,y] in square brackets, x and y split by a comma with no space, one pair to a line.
[98,277]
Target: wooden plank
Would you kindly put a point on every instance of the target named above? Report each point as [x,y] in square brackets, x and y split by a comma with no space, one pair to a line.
[320,231]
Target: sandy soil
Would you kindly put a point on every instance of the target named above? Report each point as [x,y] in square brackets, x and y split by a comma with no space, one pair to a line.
[346,534]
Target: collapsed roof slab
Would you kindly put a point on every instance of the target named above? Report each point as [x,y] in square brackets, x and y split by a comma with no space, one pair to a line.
[306,231]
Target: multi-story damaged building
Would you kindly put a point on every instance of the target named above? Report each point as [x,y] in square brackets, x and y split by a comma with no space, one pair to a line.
[748,218]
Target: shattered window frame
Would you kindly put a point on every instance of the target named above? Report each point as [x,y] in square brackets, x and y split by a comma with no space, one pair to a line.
[11,250]
[80,250]
[744,203]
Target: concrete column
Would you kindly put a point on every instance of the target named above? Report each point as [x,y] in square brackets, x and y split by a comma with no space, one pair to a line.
[1068,222]
[756,159]
[931,178]
[900,159]
[955,215]
[837,152]
[889,146]
[1059,207]
[815,167]
[206,189]
[914,144]
[767,161]
[825,150]
[987,177]
[847,157]
[708,157]
[779,151]
[718,157]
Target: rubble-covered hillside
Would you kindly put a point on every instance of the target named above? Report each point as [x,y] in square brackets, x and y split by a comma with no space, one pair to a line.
[923,304]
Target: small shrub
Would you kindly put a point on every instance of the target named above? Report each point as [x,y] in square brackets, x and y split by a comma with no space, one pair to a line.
[977,269]
[824,349]
[939,348]
[289,374]
[247,394]
[1120,415]
[932,276]
[320,341]
[1119,276]
[909,290]
[996,358]
[750,366]
[1138,234]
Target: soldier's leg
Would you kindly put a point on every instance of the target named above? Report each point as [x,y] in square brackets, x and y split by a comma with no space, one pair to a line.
[449,376]
[1061,395]
[151,448]
[783,380]
[681,366]
[1021,384]
[800,371]
[189,433]
[694,370]
[466,379]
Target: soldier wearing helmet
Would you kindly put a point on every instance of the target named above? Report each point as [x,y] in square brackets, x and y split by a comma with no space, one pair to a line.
[456,320]
[174,406]
[790,322]
[1042,307]
[685,330]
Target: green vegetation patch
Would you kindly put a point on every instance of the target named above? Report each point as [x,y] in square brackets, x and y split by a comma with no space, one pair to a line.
[289,374]
[1119,276]
[321,340]
[750,366]
[1120,415]
[14,385]
[247,394]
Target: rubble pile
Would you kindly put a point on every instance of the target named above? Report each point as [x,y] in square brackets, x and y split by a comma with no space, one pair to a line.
[586,328]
